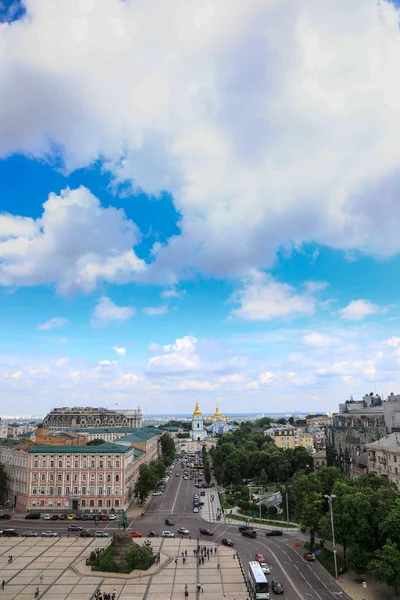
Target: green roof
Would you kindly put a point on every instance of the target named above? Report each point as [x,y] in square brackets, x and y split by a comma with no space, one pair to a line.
[107,448]
[25,435]
[137,437]
[10,442]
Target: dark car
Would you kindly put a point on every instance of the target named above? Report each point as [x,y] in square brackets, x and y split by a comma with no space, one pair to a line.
[33,515]
[86,534]
[226,542]
[273,532]
[151,534]
[244,528]
[5,516]
[309,556]
[10,533]
[104,517]
[250,533]
[85,517]
[277,586]
[169,522]
[202,493]
[74,528]
[55,517]
[204,531]
[78,517]
[63,517]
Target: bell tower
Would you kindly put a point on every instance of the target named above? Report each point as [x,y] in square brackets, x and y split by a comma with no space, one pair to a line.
[198,432]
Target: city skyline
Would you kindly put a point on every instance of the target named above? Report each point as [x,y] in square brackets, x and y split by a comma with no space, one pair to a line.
[199,208]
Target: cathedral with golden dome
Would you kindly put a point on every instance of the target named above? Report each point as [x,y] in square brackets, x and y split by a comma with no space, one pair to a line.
[217,417]
[198,432]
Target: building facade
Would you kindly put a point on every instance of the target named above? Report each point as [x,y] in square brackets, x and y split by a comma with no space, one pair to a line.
[384,458]
[198,433]
[287,436]
[88,417]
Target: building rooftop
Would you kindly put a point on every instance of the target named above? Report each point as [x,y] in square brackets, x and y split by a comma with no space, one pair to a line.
[106,448]
[10,442]
[138,437]
[390,443]
[122,430]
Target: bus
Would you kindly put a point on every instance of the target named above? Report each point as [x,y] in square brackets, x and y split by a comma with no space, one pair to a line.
[258,582]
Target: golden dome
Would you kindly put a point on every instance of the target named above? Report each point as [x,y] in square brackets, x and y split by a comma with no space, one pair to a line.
[197,411]
[217,413]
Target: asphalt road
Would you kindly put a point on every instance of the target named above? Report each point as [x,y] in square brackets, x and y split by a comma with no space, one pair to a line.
[301,580]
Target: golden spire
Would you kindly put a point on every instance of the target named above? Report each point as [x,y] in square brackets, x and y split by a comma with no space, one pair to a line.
[217,413]
[197,411]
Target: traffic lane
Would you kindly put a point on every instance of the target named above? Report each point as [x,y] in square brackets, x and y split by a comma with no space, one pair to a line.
[303,575]
[316,574]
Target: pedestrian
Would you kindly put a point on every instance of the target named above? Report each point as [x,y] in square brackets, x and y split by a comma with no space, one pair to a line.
[176,560]
[185,552]
[140,577]
[218,566]
[208,557]
[41,579]
[113,594]
[199,560]
[190,537]
[234,554]
[3,584]
[186,594]
[202,589]
[198,586]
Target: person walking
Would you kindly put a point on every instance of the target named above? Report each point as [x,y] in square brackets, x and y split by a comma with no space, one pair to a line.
[186,594]
[113,594]
[3,584]
[198,586]
[218,566]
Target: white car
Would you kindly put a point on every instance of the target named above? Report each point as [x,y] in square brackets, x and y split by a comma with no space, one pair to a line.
[49,534]
[265,568]
[47,517]
[167,534]
[157,493]
[195,510]
[112,517]
[183,531]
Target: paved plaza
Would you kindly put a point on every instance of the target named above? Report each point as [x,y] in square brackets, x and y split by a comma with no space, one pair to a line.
[57,567]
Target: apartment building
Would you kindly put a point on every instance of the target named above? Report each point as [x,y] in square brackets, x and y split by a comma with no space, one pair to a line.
[70,478]
[81,417]
[110,434]
[384,458]
[288,436]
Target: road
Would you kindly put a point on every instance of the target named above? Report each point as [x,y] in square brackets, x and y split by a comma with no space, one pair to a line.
[301,580]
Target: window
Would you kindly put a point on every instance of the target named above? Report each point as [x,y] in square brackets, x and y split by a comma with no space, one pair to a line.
[68,464]
[117,464]
[108,478]
[84,477]
[76,464]
[92,464]
[51,491]
[91,477]
[35,464]
[100,491]
[60,464]
[51,477]
[59,492]
[91,502]
[109,464]
[75,477]
[117,478]
[84,464]
[75,491]
[100,503]
[395,458]
[84,491]
[42,503]
[34,491]
[52,464]
[100,477]
[67,491]
[83,503]
[108,490]
[42,491]
[92,491]
[101,464]
[67,477]
[108,503]
[117,503]
[43,463]
[59,477]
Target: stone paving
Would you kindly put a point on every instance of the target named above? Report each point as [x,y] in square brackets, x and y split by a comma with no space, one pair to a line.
[54,565]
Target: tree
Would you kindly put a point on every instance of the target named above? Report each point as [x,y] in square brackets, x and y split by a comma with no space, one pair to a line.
[358,558]
[146,481]
[167,445]
[96,442]
[3,481]
[207,472]
[386,566]
[309,503]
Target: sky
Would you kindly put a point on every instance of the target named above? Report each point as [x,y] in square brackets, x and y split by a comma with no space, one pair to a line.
[199,201]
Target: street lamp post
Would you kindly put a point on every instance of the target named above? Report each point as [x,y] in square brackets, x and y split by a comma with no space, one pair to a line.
[285,488]
[330,498]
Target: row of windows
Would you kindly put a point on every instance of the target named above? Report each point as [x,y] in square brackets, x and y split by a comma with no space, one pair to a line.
[85,464]
[67,490]
[75,477]
[83,503]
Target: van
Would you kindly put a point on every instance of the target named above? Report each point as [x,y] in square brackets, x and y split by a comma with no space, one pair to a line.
[33,515]
[10,533]
[250,533]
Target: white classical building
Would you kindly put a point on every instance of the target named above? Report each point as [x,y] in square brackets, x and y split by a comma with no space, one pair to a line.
[198,432]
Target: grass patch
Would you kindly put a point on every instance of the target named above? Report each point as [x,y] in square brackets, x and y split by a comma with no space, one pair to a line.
[254,522]
[326,559]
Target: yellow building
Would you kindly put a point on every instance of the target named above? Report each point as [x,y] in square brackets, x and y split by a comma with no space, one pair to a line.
[288,437]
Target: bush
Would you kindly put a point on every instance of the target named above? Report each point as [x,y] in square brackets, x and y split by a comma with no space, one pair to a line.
[137,558]
[272,510]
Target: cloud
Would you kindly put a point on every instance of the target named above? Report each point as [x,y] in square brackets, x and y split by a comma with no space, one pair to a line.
[222,107]
[152,311]
[106,312]
[172,293]
[359,309]
[266,377]
[177,358]
[393,341]
[262,299]
[314,287]
[74,244]
[319,340]
[53,323]
[119,350]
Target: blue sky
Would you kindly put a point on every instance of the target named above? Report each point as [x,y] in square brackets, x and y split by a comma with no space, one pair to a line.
[198,203]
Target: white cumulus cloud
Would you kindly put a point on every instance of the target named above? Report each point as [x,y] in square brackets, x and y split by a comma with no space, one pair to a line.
[153,311]
[119,350]
[359,309]
[106,312]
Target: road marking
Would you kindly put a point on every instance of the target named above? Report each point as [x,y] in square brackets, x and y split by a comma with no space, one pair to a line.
[300,595]
[176,495]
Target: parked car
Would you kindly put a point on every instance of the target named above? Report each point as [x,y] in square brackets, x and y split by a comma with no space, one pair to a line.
[277,586]
[202,493]
[49,534]
[167,534]
[176,474]
[85,517]
[32,515]
[78,517]
[136,534]
[169,522]
[226,542]
[196,509]
[63,517]
[29,534]
[104,517]
[244,528]
[112,517]
[157,493]
[309,556]
[55,517]
[5,516]
[10,533]
[74,528]
[47,517]
[101,534]
[183,531]
[205,531]
[151,533]
[265,567]
[87,533]
[273,532]
[250,533]
[71,517]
